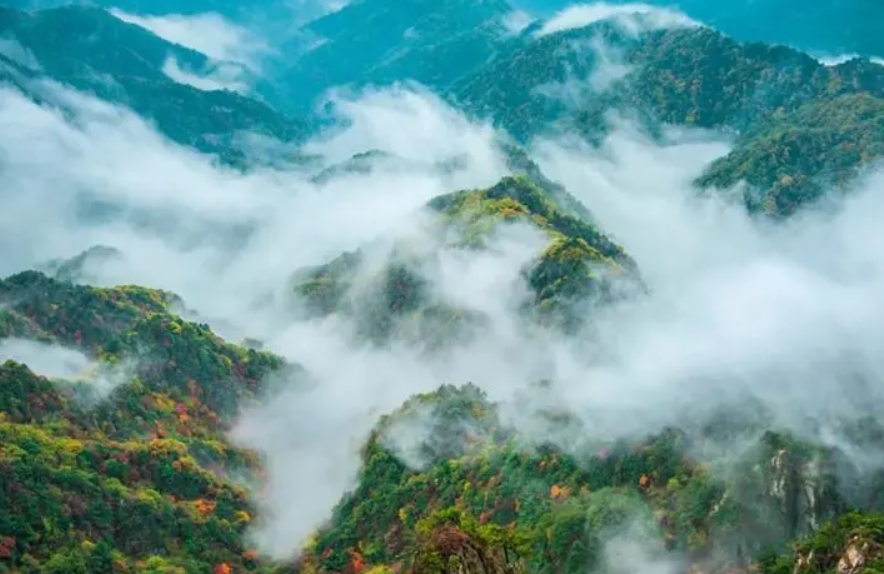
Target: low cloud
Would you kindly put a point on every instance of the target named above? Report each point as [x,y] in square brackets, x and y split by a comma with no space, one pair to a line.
[517,20]
[55,361]
[52,361]
[14,51]
[632,17]
[224,77]
[209,33]
[789,316]
[835,60]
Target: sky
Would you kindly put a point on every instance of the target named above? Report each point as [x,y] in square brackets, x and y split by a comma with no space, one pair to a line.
[738,310]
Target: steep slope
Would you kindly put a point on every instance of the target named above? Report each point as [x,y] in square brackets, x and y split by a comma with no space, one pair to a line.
[378,42]
[798,157]
[552,511]
[124,467]
[831,27]
[90,50]
[693,77]
[578,268]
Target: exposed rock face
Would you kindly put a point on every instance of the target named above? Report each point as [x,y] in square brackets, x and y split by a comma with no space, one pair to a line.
[857,556]
[801,490]
[450,550]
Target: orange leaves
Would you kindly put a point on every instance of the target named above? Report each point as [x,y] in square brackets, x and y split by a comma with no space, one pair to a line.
[223,568]
[559,493]
[250,555]
[204,506]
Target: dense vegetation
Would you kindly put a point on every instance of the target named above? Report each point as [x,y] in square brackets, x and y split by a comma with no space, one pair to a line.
[138,480]
[128,465]
[91,50]
[579,267]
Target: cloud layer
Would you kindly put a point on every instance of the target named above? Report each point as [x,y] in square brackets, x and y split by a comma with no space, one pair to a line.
[632,17]
[790,316]
[209,33]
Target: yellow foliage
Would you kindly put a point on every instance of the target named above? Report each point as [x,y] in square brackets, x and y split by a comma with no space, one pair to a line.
[164,446]
[243,516]
[71,445]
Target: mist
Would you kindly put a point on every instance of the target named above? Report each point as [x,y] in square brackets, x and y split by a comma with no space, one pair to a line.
[738,309]
[52,361]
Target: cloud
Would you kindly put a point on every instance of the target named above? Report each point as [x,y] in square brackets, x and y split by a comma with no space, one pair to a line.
[305,10]
[835,60]
[739,310]
[516,21]
[789,316]
[209,33]
[48,360]
[598,66]
[10,48]
[224,77]
[58,362]
[632,17]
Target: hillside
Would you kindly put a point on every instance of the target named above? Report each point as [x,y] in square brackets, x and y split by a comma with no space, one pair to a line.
[91,50]
[136,479]
[373,42]
[517,377]
[693,77]
[578,267]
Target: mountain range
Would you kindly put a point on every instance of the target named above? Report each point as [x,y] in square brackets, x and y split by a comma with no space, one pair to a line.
[440,287]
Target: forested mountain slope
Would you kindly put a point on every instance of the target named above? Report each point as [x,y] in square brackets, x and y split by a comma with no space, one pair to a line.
[91,50]
[125,466]
[119,412]
[694,77]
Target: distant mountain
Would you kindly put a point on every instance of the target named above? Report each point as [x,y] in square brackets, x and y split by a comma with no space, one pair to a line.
[830,27]
[378,42]
[125,463]
[91,50]
[579,267]
[693,77]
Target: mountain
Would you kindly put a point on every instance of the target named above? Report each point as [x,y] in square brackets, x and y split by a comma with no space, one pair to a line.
[91,50]
[829,26]
[492,383]
[579,267]
[119,467]
[375,42]
[695,77]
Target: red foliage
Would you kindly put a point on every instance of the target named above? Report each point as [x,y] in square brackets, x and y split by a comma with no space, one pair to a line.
[7,544]
[449,540]
[356,562]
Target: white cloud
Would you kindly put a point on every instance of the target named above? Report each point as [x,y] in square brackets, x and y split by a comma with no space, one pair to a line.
[304,10]
[10,48]
[633,17]
[60,362]
[516,21]
[737,309]
[835,60]
[44,359]
[209,33]
[224,77]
